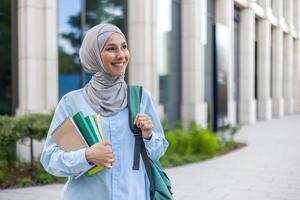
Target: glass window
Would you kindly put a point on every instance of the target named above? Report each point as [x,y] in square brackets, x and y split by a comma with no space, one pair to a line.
[209,61]
[5,58]
[169,58]
[69,40]
[75,17]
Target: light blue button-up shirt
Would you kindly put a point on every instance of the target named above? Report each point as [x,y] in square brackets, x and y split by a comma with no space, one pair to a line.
[119,183]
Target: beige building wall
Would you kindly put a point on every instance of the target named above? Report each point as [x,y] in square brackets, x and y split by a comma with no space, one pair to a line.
[38,68]
[38,63]
[193,107]
[247,102]
[142,39]
[264,103]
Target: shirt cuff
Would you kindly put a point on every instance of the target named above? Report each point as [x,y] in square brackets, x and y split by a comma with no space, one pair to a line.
[77,160]
[150,142]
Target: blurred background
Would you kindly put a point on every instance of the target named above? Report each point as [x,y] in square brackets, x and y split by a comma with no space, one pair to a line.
[218,63]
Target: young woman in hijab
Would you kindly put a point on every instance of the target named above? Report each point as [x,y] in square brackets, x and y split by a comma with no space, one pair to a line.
[104,54]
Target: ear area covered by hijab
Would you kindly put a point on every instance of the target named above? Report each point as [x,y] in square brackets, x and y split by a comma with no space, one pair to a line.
[107,95]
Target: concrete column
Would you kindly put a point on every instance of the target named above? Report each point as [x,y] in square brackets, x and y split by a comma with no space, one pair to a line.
[277,7]
[297,57]
[296,13]
[193,106]
[140,42]
[247,105]
[288,12]
[288,74]
[277,65]
[143,67]
[38,68]
[266,4]
[296,81]
[224,15]
[264,102]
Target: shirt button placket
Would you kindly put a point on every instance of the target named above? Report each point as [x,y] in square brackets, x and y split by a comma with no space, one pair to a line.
[116,163]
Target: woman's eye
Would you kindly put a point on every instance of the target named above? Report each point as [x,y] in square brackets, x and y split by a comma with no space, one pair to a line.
[111,48]
[124,46]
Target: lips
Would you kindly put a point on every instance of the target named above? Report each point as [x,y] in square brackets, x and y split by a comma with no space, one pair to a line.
[118,64]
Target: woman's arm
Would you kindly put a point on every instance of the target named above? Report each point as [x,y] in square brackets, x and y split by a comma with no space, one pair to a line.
[55,160]
[157,144]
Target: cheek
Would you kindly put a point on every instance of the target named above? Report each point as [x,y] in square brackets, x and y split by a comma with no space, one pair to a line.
[128,56]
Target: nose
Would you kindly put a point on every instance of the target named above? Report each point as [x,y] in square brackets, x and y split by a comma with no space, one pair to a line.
[120,54]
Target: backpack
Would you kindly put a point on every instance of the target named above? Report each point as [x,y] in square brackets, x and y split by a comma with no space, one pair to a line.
[160,185]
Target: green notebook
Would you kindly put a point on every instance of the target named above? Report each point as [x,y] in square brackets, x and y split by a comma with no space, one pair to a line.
[86,130]
[89,129]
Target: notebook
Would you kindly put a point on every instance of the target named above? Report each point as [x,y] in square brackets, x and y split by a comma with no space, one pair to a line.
[68,137]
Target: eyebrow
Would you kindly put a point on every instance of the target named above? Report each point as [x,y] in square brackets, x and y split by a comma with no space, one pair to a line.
[113,44]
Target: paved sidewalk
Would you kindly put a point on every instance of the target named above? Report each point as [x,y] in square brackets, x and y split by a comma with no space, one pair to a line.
[267,169]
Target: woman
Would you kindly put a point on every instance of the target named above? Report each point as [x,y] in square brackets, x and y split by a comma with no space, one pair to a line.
[104,53]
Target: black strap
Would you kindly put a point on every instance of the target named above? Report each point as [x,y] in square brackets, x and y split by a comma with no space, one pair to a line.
[137,148]
[147,167]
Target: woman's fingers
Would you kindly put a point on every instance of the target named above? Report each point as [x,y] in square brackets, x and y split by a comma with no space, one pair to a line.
[107,165]
[143,121]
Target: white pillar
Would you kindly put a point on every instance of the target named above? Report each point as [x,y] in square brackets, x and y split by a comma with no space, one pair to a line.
[288,74]
[38,66]
[247,104]
[264,102]
[193,106]
[140,43]
[143,67]
[224,15]
[297,57]
[288,12]
[277,8]
[296,81]
[277,71]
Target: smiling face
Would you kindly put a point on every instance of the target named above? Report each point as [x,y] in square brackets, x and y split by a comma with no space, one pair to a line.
[115,55]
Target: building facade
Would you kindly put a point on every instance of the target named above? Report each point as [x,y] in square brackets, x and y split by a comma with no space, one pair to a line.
[215,62]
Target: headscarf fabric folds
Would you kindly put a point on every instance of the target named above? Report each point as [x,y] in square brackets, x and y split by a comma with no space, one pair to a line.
[107,95]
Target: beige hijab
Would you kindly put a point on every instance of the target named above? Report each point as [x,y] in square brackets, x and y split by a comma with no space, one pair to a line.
[107,95]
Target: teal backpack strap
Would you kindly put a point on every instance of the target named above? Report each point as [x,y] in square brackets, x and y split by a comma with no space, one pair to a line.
[134,97]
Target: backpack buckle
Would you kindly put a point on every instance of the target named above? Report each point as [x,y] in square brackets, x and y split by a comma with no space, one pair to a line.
[137,132]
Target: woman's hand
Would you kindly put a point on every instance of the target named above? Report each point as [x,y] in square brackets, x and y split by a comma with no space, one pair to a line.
[144,122]
[100,154]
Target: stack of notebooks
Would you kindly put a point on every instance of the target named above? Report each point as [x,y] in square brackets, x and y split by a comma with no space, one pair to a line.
[79,132]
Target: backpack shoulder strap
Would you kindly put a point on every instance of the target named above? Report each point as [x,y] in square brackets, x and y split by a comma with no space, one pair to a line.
[134,100]
[134,97]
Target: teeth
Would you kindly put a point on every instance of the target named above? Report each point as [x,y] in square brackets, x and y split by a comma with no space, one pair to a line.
[119,64]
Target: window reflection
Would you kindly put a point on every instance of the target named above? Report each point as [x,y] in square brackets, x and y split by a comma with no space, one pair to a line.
[5,57]
[169,58]
[69,43]
[75,17]
[105,11]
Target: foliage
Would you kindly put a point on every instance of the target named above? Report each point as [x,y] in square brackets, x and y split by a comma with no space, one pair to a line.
[33,125]
[8,137]
[195,144]
[23,175]
[7,133]
[12,129]
[23,182]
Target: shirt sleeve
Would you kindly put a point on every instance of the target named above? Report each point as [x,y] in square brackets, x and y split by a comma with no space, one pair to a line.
[158,144]
[55,160]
